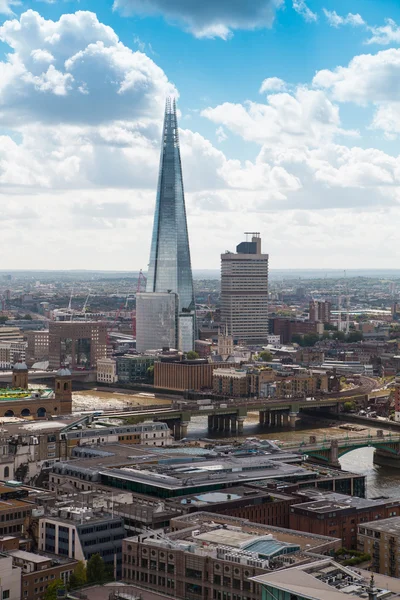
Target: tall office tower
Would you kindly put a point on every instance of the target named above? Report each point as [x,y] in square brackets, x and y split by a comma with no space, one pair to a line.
[320,311]
[170,271]
[244,292]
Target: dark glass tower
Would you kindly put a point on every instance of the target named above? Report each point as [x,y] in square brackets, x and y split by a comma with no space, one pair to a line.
[170,270]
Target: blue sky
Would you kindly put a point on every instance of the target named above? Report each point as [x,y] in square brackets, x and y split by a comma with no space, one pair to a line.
[289,115]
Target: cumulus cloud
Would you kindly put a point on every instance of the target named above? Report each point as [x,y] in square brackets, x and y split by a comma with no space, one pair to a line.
[273,84]
[207,18]
[335,20]
[302,9]
[367,78]
[57,68]
[305,117]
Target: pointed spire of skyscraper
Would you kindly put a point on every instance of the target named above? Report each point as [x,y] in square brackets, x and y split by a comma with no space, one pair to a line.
[170,269]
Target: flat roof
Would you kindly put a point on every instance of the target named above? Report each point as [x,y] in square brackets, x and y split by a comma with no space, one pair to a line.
[29,556]
[390,525]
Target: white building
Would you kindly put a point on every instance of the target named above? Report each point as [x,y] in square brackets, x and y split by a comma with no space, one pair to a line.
[11,353]
[107,370]
[244,292]
[10,579]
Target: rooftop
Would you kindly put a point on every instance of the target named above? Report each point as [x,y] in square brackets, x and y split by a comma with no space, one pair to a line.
[391,525]
[327,580]
[326,502]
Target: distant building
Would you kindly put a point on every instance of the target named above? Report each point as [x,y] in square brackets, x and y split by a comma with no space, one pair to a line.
[203,348]
[397,400]
[287,328]
[179,375]
[10,353]
[77,344]
[244,292]
[320,311]
[38,345]
[156,321]
[11,334]
[134,368]
[107,370]
[230,382]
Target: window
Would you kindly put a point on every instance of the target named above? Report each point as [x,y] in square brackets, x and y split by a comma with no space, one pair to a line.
[6,594]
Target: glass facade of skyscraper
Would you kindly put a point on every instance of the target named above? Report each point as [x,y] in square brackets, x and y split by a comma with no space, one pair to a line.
[170,269]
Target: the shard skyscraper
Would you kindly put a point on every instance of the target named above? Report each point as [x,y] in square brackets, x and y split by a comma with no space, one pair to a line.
[165,313]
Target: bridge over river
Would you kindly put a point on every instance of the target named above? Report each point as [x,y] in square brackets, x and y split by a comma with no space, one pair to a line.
[229,416]
[328,451]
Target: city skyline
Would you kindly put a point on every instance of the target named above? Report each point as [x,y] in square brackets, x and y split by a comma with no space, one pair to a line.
[289,125]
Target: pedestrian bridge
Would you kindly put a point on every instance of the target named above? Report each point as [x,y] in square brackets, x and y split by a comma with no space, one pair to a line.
[328,451]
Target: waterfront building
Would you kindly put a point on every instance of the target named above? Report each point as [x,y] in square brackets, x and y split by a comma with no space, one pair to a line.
[169,280]
[244,292]
[179,375]
[381,540]
[77,344]
[107,370]
[10,353]
[133,368]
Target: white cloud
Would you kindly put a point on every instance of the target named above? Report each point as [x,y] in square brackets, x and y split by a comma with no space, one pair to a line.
[305,117]
[385,34]
[207,18]
[302,9]
[367,78]
[335,20]
[5,6]
[221,135]
[85,56]
[273,84]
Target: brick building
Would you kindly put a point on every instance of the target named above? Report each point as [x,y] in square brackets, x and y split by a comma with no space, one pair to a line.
[214,556]
[186,375]
[39,571]
[287,328]
[38,345]
[381,540]
[339,515]
[78,344]
[320,311]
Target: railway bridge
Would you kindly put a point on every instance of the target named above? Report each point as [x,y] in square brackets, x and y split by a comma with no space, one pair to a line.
[328,451]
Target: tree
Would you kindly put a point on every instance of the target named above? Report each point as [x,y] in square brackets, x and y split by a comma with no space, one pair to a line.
[95,570]
[265,356]
[354,336]
[28,317]
[339,335]
[52,589]
[3,320]
[310,339]
[349,406]
[192,355]
[78,577]
[150,373]
[329,327]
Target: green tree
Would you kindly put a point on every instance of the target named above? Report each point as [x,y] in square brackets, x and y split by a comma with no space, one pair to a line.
[78,577]
[339,335]
[150,373]
[349,406]
[329,327]
[95,570]
[297,339]
[192,355]
[265,356]
[52,589]
[27,317]
[354,336]
[310,339]
[3,320]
